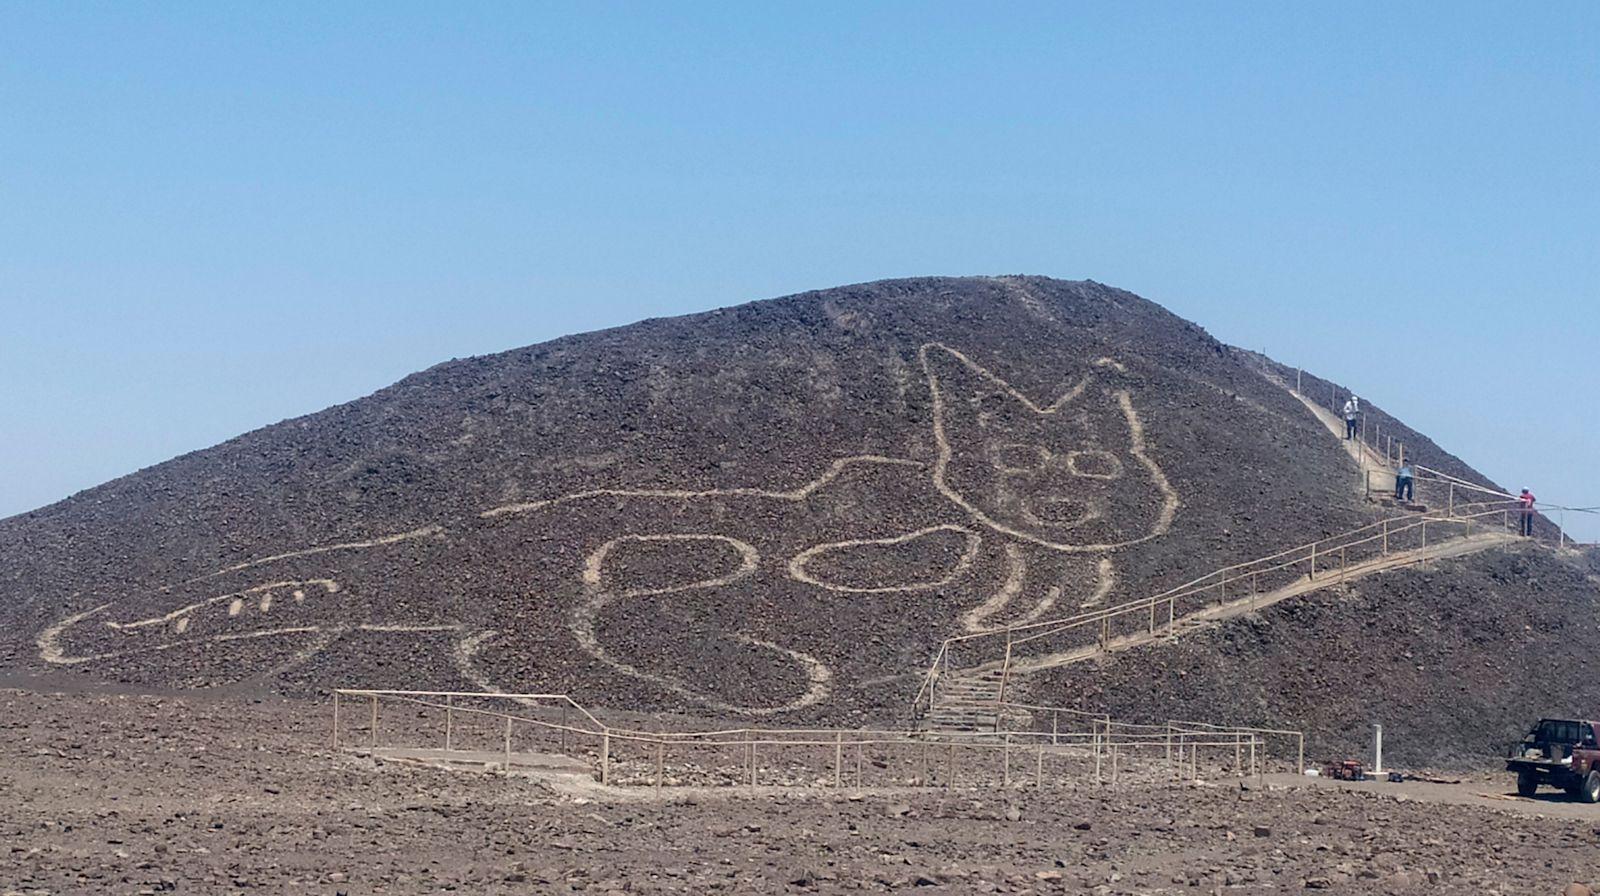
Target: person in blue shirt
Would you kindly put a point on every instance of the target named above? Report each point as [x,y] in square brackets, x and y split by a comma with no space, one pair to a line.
[1402,483]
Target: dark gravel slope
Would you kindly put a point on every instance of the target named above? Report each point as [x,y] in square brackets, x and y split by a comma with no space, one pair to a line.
[777,508]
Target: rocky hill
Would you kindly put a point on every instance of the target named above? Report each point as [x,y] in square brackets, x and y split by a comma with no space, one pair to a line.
[774,510]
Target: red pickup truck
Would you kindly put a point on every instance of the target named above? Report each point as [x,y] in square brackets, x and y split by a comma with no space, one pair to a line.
[1562,753]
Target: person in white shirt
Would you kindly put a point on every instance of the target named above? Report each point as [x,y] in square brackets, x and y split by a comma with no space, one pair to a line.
[1352,410]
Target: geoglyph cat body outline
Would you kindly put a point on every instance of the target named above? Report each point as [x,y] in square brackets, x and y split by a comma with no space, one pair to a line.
[1027,536]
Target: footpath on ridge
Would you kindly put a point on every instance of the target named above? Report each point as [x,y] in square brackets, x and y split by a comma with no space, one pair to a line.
[978,696]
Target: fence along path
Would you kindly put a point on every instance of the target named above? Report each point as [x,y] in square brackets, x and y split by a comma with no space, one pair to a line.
[966,686]
[1379,455]
[979,667]
[517,732]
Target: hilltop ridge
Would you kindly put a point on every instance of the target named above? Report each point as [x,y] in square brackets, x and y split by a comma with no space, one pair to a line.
[776,509]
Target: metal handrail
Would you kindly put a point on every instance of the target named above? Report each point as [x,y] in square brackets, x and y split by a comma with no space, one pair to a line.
[1106,740]
[1218,578]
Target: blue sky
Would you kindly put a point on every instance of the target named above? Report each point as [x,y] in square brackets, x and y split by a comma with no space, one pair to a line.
[216,216]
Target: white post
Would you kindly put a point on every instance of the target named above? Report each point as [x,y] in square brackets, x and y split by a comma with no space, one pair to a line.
[1377,749]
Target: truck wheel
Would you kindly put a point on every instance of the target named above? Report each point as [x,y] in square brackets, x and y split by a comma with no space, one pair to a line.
[1591,788]
[1527,784]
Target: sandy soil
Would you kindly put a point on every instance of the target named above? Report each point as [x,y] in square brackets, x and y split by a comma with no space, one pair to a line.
[143,794]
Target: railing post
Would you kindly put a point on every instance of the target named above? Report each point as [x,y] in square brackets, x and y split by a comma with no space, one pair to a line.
[605,757]
[1386,537]
[838,759]
[1424,531]
[449,721]
[1005,762]
[661,762]
[1341,563]
[1005,673]
[1300,760]
[374,735]
[336,720]
[1451,506]
[1313,576]
[508,743]
[752,759]
[1172,621]
[1038,765]
[1055,720]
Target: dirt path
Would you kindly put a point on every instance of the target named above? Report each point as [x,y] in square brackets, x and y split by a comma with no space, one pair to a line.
[1365,458]
[1495,792]
[1456,547]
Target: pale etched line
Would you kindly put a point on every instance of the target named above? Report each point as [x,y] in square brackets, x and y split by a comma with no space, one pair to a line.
[1137,447]
[1026,297]
[1107,580]
[328,585]
[748,558]
[797,564]
[1062,401]
[49,640]
[1016,573]
[465,655]
[833,472]
[585,617]
[1075,457]
[1169,495]
[51,652]
[346,546]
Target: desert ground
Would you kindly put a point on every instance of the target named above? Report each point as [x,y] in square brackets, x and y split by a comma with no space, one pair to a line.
[140,793]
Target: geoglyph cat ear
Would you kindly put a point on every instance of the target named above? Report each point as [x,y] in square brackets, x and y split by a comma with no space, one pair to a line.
[953,377]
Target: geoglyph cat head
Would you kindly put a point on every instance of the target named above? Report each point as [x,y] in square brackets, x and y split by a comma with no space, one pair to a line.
[1072,475]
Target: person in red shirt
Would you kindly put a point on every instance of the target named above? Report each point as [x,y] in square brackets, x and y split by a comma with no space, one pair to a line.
[1526,501]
